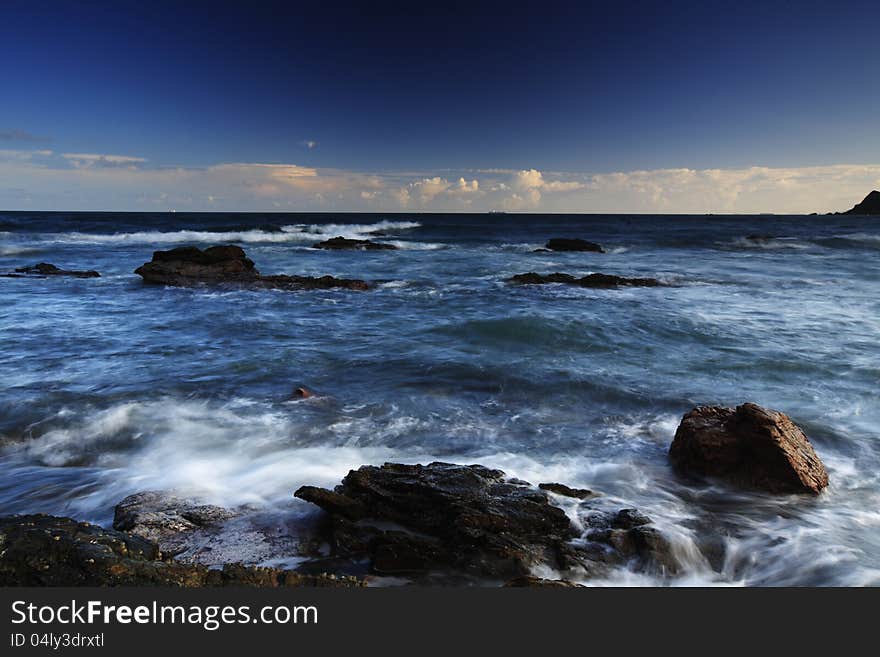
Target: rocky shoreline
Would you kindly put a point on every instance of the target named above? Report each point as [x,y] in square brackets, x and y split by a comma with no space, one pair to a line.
[439,523]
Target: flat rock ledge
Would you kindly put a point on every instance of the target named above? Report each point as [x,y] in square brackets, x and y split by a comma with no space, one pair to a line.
[596,281]
[41,550]
[439,522]
[750,446]
[346,244]
[188,266]
[46,269]
[167,520]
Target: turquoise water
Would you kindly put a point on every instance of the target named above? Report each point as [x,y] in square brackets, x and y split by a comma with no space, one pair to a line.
[113,387]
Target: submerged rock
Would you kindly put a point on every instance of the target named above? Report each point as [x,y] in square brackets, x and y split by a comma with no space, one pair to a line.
[301,393]
[43,269]
[188,265]
[870,205]
[40,550]
[570,244]
[418,520]
[750,446]
[346,244]
[597,280]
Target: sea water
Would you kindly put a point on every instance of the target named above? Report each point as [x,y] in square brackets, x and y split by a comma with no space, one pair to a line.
[111,386]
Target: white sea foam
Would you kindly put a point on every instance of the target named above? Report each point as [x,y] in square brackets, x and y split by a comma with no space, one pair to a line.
[295,234]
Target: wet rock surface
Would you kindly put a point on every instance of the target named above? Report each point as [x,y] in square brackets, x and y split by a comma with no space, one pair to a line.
[346,244]
[562,489]
[572,244]
[40,550]
[46,269]
[750,446]
[188,266]
[420,520]
[597,280]
[211,535]
[167,520]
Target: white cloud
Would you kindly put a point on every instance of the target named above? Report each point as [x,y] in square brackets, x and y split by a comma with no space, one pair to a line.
[41,179]
[88,160]
[11,154]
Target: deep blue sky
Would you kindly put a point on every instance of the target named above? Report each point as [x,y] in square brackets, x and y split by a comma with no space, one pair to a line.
[435,86]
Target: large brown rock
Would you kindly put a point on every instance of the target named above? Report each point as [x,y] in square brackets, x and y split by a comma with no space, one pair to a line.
[750,446]
[188,265]
[40,550]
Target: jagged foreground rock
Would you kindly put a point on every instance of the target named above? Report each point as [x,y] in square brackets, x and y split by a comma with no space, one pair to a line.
[597,280]
[420,520]
[40,550]
[750,446]
[186,266]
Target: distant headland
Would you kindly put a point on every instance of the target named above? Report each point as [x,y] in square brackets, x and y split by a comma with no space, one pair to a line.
[869,206]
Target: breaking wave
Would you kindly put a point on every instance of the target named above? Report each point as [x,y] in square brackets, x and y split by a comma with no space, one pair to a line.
[294,233]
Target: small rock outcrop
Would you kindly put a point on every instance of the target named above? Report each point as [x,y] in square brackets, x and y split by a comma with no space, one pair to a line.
[572,244]
[346,244]
[870,205]
[40,550]
[188,265]
[420,520]
[44,269]
[597,280]
[565,491]
[750,446]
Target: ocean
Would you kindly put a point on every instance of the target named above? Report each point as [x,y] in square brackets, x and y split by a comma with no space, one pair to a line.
[113,387]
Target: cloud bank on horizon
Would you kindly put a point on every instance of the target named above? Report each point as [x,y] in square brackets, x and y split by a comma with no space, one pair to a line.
[45,180]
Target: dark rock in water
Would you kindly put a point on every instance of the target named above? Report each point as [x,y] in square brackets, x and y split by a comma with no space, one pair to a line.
[599,281]
[285,282]
[417,521]
[870,205]
[40,550]
[343,243]
[760,238]
[43,269]
[628,535]
[302,393]
[562,489]
[569,244]
[187,266]
[166,519]
[750,446]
